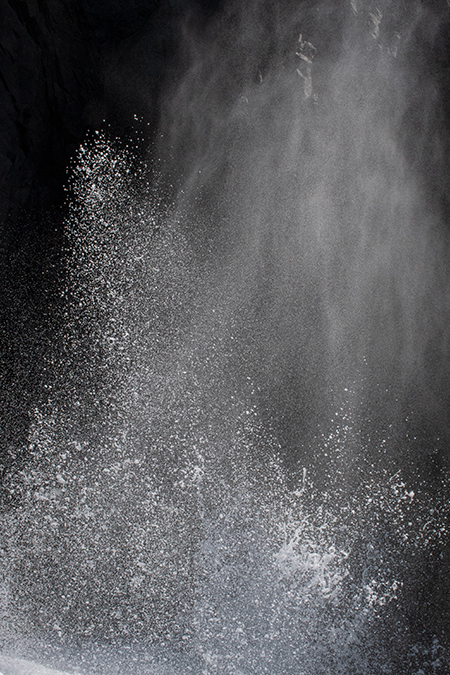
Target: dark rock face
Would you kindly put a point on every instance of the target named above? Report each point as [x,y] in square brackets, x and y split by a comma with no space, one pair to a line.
[56,67]
[45,91]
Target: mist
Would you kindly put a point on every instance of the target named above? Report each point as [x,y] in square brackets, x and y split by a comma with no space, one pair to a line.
[311,164]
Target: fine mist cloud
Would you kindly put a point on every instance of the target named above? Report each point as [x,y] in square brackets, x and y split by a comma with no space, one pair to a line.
[300,137]
[237,467]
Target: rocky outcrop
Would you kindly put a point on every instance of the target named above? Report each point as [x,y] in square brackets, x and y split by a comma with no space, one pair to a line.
[57,61]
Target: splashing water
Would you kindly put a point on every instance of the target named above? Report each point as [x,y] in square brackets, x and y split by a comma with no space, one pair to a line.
[157,528]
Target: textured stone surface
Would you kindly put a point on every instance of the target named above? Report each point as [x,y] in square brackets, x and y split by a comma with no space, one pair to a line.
[57,65]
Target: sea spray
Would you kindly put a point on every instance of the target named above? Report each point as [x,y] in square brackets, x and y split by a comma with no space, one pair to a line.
[156,518]
[217,478]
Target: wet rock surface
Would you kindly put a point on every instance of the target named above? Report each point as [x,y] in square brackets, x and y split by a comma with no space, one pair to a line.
[55,63]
